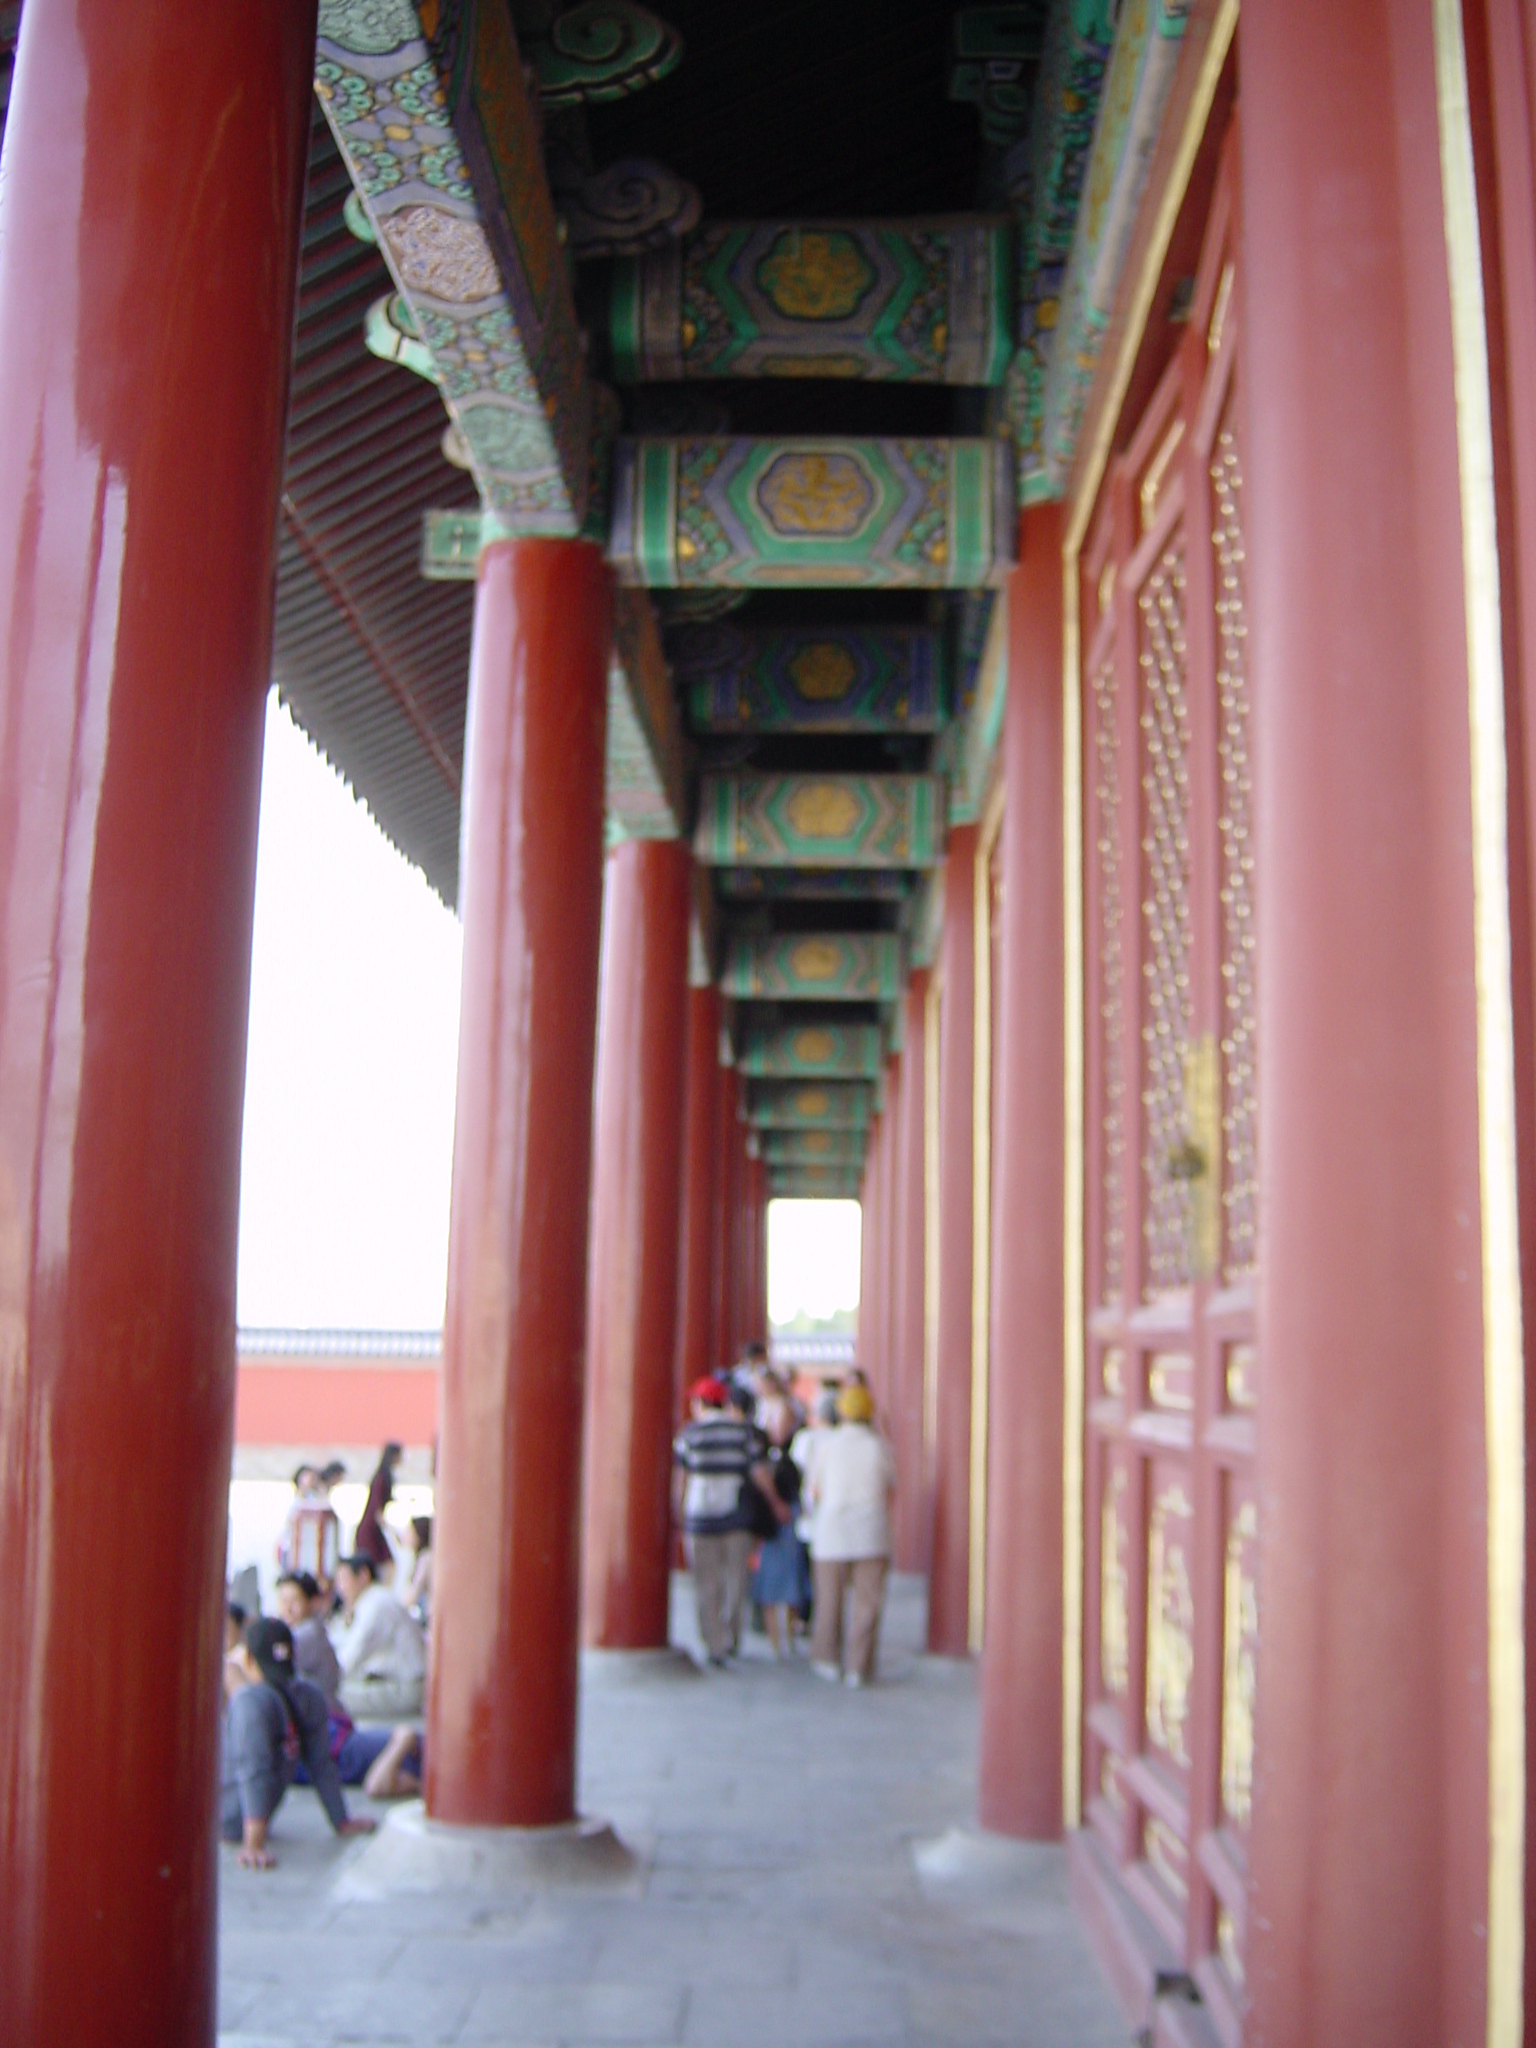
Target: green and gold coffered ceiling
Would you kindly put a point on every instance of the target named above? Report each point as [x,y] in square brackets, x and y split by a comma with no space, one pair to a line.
[810,1105]
[837,821]
[851,967]
[815,1051]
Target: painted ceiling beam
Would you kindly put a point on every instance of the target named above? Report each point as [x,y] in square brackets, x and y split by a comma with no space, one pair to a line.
[811,679]
[431,113]
[749,513]
[807,1052]
[917,301]
[831,1147]
[809,821]
[812,1184]
[813,885]
[809,1105]
[646,753]
[816,967]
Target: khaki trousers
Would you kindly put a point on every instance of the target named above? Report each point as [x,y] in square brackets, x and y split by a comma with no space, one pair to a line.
[834,1576]
[719,1565]
[707,1561]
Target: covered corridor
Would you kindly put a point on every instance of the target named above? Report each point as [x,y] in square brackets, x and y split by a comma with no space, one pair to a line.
[777,1899]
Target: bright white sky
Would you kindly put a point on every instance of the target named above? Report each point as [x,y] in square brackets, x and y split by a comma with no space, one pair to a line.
[351,1065]
[813,1258]
[350,1081]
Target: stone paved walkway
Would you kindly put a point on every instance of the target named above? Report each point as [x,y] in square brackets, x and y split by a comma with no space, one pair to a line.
[779,1903]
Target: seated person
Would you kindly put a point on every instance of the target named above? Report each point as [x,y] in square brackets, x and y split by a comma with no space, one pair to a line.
[303,1606]
[354,1750]
[274,1718]
[381,1650]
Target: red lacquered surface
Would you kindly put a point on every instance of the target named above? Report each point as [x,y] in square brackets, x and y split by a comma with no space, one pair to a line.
[728,1152]
[633,1260]
[1368,1859]
[907,1289]
[149,216]
[696,1255]
[1020,1766]
[502,1710]
[950,1565]
[869,1200]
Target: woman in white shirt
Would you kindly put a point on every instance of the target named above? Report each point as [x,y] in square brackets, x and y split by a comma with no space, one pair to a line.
[851,1483]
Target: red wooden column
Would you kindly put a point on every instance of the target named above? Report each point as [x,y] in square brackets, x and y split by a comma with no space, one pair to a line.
[727,1182]
[1020,1765]
[1369,1854]
[907,1290]
[890,1244]
[501,1717]
[759,1320]
[949,1571]
[633,1259]
[872,1250]
[149,236]
[696,1251]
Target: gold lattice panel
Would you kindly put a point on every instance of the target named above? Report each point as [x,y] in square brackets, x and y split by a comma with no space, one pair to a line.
[1166,1002]
[1111,944]
[1235,830]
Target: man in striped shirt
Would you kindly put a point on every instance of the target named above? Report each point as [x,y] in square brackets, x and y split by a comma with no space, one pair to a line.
[716,1453]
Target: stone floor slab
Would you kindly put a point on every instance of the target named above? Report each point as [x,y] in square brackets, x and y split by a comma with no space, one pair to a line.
[780,1901]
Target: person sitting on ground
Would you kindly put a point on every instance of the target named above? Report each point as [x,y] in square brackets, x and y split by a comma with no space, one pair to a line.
[273,1720]
[371,1539]
[715,1455]
[303,1606]
[418,1591]
[311,1538]
[851,1485]
[380,1648]
[356,1752]
[235,1618]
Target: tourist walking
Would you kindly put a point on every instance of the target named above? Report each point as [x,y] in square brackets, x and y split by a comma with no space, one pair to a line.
[851,1482]
[718,1456]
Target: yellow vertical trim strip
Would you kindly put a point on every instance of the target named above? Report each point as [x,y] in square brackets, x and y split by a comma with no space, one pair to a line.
[1072,1201]
[1096,458]
[981,1212]
[1503,1362]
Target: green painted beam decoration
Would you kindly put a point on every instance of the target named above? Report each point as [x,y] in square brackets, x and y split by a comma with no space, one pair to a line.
[749,513]
[1135,94]
[814,1184]
[815,679]
[838,821]
[812,1148]
[919,301]
[995,48]
[431,113]
[806,1052]
[971,743]
[647,757]
[923,923]
[601,50]
[809,1105]
[813,885]
[1046,170]
[852,967]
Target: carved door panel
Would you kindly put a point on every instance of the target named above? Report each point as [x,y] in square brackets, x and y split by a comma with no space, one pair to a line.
[1170,1520]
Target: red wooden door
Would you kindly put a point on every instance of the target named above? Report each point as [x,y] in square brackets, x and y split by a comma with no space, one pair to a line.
[1171,1252]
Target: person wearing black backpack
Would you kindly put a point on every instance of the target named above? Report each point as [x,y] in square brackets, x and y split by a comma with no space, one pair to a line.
[274,1720]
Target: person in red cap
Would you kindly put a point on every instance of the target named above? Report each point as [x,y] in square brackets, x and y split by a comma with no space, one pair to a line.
[717,1455]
